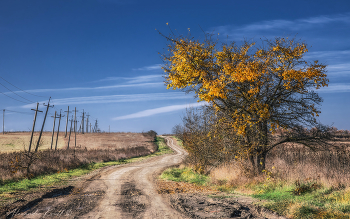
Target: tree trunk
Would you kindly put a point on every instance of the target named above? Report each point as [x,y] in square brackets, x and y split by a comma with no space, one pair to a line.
[261,161]
[252,161]
[262,150]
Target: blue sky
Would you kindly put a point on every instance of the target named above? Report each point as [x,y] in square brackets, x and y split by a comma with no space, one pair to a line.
[102,56]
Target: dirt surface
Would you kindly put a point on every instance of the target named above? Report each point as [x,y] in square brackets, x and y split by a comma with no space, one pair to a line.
[130,191]
[219,206]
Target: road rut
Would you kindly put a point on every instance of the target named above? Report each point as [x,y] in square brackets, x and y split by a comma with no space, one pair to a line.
[124,191]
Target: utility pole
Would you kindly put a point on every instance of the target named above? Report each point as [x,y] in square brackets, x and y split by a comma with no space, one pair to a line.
[58,129]
[75,133]
[75,124]
[96,125]
[3,121]
[65,135]
[87,123]
[31,137]
[53,129]
[42,128]
[90,128]
[82,124]
[70,131]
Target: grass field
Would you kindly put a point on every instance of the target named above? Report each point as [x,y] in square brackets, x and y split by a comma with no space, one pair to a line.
[19,141]
[96,148]
[10,189]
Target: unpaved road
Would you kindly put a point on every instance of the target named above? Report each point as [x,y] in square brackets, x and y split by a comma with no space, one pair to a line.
[126,191]
[129,191]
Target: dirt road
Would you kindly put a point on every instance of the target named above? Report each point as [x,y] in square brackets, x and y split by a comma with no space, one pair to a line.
[126,191]
[130,191]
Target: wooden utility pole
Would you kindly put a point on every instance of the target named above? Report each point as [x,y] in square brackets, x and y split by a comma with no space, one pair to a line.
[3,121]
[82,124]
[65,135]
[75,121]
[53,128]
[58,129]
[75,133]
[42,128]
[87,123]
[70,131]
[31,137]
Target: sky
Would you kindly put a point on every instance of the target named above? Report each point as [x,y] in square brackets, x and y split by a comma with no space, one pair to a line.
[103,56]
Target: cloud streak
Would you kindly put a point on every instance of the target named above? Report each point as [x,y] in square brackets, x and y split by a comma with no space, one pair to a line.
[92,88]
[133,80]
[149,68]
[160,110]
[268,28]
[116,98]
[335,88]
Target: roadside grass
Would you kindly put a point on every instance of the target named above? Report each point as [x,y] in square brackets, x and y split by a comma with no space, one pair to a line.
[185,174]
[315,200]
[295,200]
[179,142]
[62,177]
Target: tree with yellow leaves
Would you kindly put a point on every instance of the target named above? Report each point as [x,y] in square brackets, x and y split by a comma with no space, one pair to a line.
[254,90]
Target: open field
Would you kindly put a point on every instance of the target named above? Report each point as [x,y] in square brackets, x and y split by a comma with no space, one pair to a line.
[17,164]
[18,141]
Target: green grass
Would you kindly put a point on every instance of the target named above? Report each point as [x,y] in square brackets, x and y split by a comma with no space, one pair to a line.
[179,142]
[314,201]
[318,202]
[185,175]
[62,177]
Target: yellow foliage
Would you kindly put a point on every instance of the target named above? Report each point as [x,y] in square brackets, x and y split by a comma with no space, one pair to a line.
[240,73]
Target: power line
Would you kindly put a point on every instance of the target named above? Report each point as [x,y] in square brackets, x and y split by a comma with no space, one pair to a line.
[18,112]
[14,98]
[20,88]
[16,94]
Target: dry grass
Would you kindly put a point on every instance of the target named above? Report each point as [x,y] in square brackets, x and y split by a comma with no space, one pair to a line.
[18,141]
[292,163]
[92,148]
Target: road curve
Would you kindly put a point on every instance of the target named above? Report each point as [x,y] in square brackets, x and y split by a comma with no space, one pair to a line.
[130,192]
[123,191]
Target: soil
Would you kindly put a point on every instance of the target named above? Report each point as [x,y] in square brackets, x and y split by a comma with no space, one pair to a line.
[130,191]
[218,206]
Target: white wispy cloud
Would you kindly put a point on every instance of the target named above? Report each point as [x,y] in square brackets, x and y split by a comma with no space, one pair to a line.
[335,54]
[116,98]
[92,88]
[151,112]
[149,68]
[339,69]
[269,28]
[133,80]
[335,88]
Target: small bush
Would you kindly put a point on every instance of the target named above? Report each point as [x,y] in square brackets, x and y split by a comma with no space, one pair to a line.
[302,188]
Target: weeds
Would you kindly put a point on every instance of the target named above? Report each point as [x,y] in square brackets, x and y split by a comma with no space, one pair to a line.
[185,175]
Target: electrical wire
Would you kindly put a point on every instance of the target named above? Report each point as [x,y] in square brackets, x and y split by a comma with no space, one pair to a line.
[18,112]
[16,94]
[20,88]
[14,98]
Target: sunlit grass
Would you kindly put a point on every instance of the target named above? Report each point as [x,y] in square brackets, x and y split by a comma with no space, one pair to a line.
[184,175]
[62,177]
